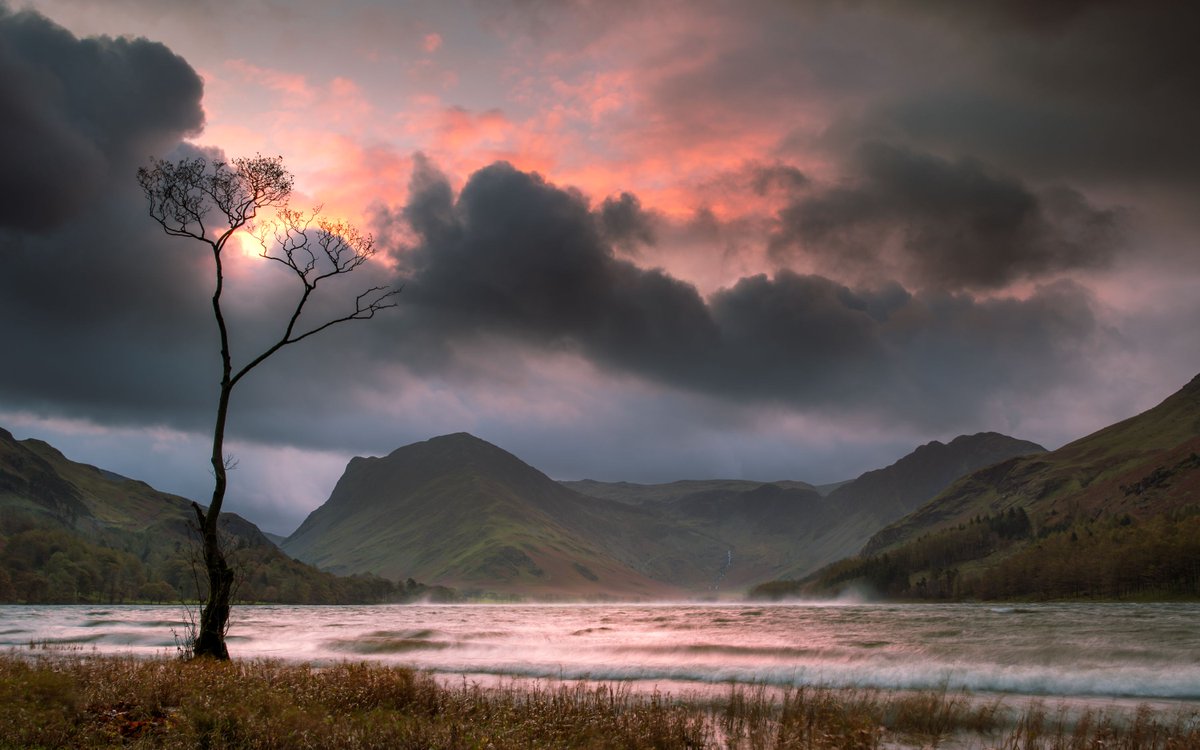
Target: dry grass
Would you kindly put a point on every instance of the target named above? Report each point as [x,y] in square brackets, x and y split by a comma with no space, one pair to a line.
[87,701]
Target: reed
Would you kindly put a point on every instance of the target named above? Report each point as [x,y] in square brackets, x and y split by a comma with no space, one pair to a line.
[79,700]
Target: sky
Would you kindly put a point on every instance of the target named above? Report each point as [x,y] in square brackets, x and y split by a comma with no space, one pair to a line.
[638,241]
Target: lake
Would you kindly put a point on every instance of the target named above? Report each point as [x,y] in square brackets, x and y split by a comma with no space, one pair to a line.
[1142,652]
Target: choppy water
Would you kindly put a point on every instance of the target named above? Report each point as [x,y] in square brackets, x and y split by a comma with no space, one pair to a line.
[1142,651]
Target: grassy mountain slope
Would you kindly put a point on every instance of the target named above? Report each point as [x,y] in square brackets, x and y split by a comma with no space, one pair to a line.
[879,497]
[73,532]
[1113,514]
[1141,466]
[904,486]
[767,529]
[460,511]
[762,528]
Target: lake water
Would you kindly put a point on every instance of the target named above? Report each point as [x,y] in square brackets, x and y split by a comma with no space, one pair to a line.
[1145,652]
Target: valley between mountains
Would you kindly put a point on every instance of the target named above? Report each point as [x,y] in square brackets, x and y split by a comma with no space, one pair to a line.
[456,516]
[464,513]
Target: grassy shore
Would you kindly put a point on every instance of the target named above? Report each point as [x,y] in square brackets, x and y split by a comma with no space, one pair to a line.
[90,701]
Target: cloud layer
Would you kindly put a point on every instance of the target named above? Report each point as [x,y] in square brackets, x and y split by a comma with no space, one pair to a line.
[517,257]
[947,224]
[79,112]
[702,239]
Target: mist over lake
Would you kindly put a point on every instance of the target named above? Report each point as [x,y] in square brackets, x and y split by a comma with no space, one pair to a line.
[1143,652]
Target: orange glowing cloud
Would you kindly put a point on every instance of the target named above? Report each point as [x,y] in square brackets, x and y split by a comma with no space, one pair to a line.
[461,130]
[624,109]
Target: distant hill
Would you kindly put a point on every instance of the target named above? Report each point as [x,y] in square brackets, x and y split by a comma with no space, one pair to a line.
[1141,466]
[906,485]
[639,494]
[459,511]
[876,498]
[462,512]
[71,532]
[765,529]
[1114,514]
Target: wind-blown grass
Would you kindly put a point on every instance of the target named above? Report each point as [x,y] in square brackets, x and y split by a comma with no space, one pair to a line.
[90,701]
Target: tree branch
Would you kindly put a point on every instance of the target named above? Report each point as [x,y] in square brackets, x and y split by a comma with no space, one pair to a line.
[361,312]
[199,514]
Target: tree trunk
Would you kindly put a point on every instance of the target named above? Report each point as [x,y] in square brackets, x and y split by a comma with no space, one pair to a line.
[214,615]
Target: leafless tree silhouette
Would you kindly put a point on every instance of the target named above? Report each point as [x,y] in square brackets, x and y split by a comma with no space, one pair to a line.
[209,202]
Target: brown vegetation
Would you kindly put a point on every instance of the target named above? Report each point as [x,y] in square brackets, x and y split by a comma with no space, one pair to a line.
[73,700]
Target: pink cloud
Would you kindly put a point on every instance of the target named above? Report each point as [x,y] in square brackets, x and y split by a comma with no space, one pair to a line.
[623,105]
[293,88]
[461,129]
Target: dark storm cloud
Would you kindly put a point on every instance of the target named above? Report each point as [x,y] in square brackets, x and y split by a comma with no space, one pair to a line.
[1071,91]
[105,318]
[930,358]
[518,258]
[957,224]
[109,320]
[79,112]
[1050,16]
[96,321]
[624,223]
[785,177]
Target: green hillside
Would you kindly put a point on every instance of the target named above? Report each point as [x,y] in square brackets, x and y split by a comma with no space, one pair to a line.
[1114,514]
[70,532]
[459,511]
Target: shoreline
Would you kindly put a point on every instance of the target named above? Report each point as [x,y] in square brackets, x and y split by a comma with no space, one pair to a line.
[81,699]
[1127,654]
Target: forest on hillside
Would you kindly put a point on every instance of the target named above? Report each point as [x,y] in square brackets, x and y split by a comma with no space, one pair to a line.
[41,564]
[1004,556]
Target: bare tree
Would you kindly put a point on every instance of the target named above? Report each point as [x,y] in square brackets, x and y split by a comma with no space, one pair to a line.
[209,203]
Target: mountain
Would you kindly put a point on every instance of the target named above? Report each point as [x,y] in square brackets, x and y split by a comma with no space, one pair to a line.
[1144,466]
[1113,514]
[639,494]
[74,532]
[896,490]
[876,498]
[764,528]
[40,482]
[459,511]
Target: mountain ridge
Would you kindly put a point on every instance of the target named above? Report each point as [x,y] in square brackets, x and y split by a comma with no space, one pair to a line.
[1113,514]
[500,524]
[70,532]
[460,511]
[1088,469]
